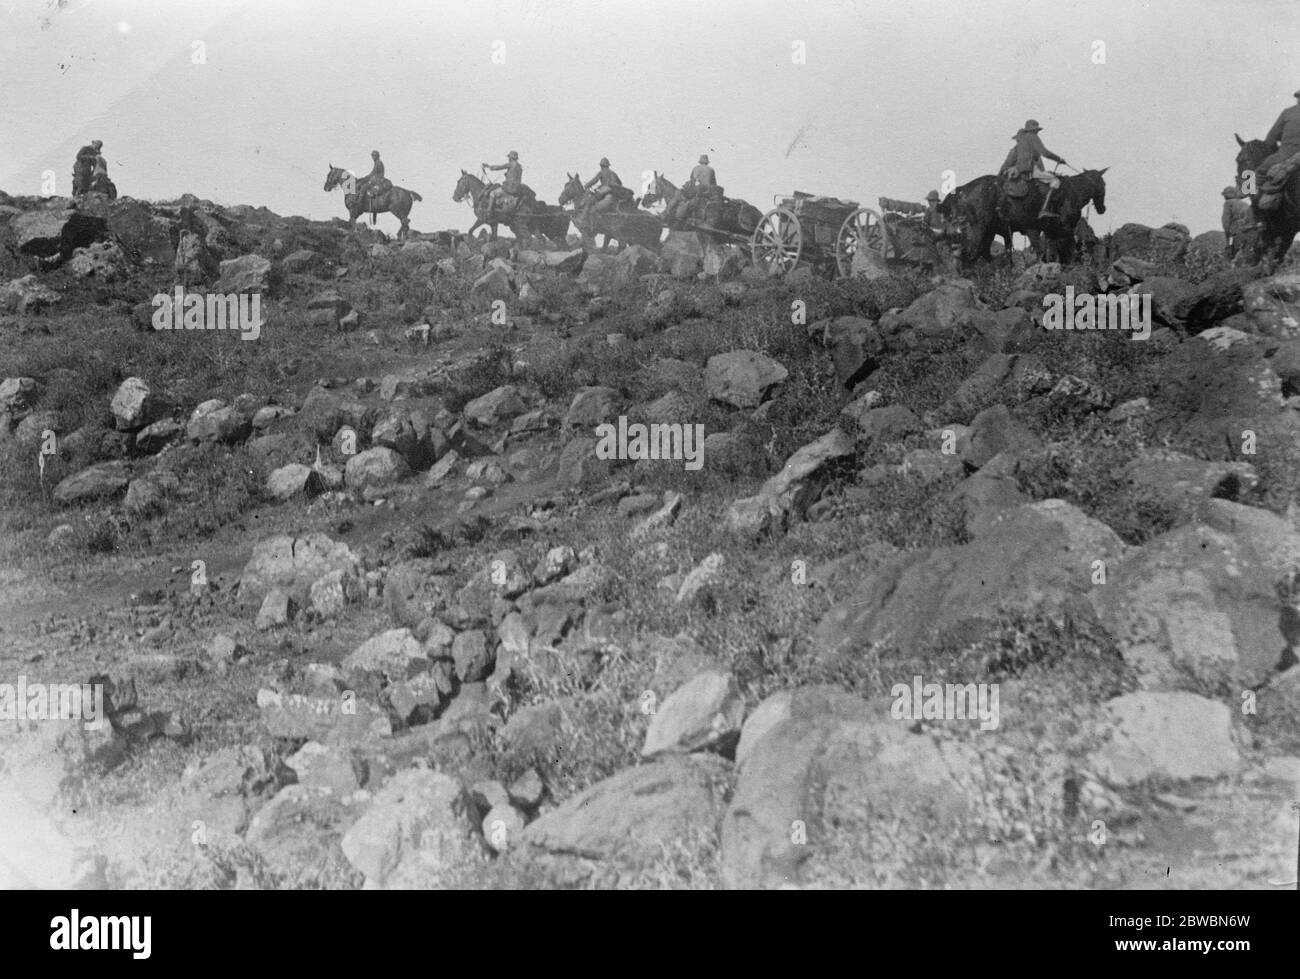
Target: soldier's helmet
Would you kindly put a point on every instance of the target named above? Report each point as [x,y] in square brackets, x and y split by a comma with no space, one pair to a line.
[932,196]
[704,158]
[1231,193]
[375,154]
[1032,126]
[97,143]
[604,161]
[512,155]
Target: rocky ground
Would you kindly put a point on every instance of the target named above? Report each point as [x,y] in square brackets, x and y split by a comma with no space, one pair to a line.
[369,609]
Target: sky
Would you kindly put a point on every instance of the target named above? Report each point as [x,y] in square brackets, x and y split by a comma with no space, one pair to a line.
[250,101]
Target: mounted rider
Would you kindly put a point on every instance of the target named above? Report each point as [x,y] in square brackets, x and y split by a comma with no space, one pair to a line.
[507,194]
[610,191]
[1276,169]
[1025,161]
[374,184]
[83,169]
[700,190]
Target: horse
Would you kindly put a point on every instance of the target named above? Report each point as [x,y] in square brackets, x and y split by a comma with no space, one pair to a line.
[973,207]
[626,227]
[724,221]
[396,201]
[988,211]
[1278,227]
[660,195]
[525,217]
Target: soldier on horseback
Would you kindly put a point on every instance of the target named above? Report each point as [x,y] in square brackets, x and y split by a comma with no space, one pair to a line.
[611,189]
[1026,160]
[500,197]
[374,183]
[1284,141]
[700,190]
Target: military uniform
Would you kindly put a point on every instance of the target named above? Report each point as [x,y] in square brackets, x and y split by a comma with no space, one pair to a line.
[83,169]
[375,183]
[1026,160]
[609,183]
[1237,221]
[514,180]
[1284,139]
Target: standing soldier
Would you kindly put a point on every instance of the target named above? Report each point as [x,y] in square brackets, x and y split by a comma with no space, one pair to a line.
[83,169]
[1237,221]
[510,186]
[935,221]
[1026,160]
[609,184]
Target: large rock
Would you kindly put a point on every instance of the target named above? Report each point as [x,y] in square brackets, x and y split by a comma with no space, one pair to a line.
[1166,736]
[743,378]
[1212,388]
[935,316]
[855,344]
[380,466]
[18,395]
[1197,601]
[995,430]
[1273,305]
[1039,556]
[415,835]
[817,762]
[246,274]
[216,421]
[794,488]
[1214,299]
[395,654]
[634,813]
[106,480]
[592,406]
[702,713]
[293,564]
[134,405]
[27,295]
[47,233]
[498,405]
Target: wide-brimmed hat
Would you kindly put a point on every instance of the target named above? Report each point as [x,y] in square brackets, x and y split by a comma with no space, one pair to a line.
[704,158]
[97,143]
[512,155]
[1231,191]
[604,161]
[932,196]
[375,153]
[1031,126]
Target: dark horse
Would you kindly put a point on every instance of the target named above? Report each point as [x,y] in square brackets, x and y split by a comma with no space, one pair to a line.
[985,209]
[396,201]
[525,217]
[721,222]
[633,227]
[1278,227]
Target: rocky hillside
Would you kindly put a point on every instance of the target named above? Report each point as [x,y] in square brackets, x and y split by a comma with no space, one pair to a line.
[370,605]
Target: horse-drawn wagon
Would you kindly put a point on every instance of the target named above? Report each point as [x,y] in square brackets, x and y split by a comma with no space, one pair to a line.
[823,231]
[830,233]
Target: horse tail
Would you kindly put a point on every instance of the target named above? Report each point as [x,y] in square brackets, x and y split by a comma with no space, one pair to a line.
[415,196]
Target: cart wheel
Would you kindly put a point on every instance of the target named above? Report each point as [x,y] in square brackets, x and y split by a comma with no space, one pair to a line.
[861,229]
[777,241]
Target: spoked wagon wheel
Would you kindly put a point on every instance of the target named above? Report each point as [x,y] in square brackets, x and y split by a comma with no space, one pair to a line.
[861,229]
[777,242]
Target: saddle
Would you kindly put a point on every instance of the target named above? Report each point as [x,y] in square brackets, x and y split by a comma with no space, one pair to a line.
[1014,185]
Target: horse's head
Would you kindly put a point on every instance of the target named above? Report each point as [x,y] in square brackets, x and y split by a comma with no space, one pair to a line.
[572,190]
[467,184]
[333,178]
[1250,156]
[1097,188]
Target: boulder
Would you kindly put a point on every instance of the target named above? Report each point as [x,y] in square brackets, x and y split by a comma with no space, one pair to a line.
[742,378]
[293,564]
[105,480]
[246,274]
[1037,556]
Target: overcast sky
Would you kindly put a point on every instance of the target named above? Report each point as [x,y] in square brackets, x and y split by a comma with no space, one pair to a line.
[249,101]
